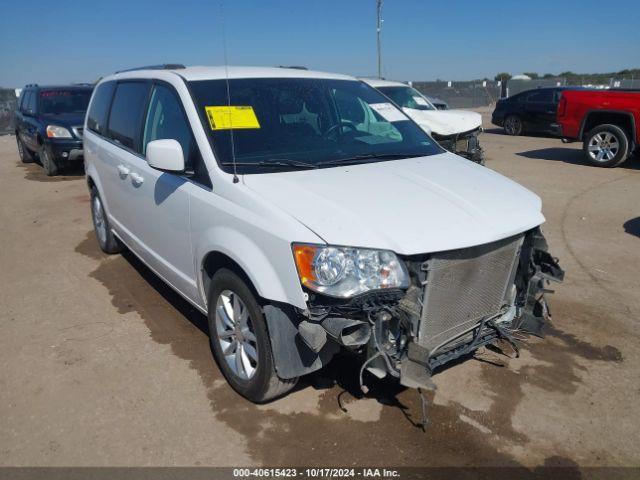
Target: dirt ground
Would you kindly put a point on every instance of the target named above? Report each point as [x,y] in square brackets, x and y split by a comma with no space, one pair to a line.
[103,365]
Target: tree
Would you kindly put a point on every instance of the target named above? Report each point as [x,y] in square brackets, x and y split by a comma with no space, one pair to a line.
[568,74]
[548,75]
[532,75]
[502,76]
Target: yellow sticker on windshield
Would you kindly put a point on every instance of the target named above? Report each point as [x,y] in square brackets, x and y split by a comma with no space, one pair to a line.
[234,117]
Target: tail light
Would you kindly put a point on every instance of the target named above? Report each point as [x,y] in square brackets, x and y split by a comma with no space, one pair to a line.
[562,106]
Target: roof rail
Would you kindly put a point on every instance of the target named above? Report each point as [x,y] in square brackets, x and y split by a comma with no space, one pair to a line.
[295,67]
[164,66]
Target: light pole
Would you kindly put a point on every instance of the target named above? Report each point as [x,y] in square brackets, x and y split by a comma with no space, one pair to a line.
[379,29]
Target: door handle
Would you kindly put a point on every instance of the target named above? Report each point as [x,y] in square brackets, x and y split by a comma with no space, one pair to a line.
[123,171]
[136,179]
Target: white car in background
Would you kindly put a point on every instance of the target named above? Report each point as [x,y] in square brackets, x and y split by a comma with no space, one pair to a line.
[455,130]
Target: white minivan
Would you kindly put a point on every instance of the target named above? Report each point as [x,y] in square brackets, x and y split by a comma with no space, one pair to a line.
[304,213]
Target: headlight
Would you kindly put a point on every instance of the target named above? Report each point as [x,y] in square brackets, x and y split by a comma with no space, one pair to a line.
[54,131]
[345,271]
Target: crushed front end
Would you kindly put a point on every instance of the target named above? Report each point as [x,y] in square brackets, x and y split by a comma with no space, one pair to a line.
[465,144]
[457,301]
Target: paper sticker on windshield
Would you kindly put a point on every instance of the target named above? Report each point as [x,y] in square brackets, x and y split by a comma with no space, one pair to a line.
[389,112]
[421,101]
[233,117]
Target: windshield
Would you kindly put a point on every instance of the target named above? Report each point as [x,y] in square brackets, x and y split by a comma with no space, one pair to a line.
[54,102]
[293,123]
[407,97]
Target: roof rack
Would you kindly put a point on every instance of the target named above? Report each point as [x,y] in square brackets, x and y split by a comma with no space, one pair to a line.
[164,66]
[295,67]
[29,85]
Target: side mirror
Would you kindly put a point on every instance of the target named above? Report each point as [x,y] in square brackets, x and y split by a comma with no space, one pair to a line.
[165,155]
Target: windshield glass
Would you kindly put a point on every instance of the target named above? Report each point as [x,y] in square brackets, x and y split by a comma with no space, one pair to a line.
[293,123]
[64,101]
[407,97]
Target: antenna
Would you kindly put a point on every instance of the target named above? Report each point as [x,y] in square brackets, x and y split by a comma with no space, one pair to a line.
[226,75]
[379,29]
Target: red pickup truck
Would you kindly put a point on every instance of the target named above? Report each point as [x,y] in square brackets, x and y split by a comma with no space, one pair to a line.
[606,121]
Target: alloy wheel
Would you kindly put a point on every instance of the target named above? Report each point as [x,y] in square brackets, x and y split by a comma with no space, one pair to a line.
[603,146]
[512,125]
[234,330]
[99,220]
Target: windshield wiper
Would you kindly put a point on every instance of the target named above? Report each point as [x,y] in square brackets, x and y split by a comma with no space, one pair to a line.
[273,163]
[369,156]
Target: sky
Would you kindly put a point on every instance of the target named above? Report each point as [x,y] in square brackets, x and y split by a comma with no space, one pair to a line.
[80,41]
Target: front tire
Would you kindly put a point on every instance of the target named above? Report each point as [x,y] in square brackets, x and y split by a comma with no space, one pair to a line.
[513,125]
[606,146]
[25,155]
[108,242]
[240,340]
[49,164]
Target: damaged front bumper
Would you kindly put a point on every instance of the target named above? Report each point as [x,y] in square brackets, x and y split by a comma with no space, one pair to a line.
[458,301]
[465,144]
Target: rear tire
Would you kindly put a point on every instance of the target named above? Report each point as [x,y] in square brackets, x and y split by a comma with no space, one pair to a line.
[108,242]
[49,164]
[240,341]
[606,146]
[513,125]
[25,155]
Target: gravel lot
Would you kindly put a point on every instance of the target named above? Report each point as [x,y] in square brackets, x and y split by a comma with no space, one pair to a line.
[103,365]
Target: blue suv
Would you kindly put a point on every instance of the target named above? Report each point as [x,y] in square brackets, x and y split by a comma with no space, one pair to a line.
[49,122]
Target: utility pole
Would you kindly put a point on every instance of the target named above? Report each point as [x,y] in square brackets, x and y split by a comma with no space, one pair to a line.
[379,29]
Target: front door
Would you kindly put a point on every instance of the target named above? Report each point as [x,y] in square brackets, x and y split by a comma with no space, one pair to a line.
[158,214]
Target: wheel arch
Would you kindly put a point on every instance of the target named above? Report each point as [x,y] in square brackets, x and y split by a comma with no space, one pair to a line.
[272,276]
[619,118]
[93,181]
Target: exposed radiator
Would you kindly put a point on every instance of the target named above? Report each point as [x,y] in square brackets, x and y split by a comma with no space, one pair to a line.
[463,287]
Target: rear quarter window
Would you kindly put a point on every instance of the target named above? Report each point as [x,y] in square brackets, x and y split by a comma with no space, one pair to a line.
[99,108]
[127,110]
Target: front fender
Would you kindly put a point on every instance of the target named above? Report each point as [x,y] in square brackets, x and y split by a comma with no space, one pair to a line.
[271,269]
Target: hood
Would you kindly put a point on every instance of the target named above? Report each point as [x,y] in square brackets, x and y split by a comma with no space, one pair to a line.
[416,205]
[64,119]
[445,122]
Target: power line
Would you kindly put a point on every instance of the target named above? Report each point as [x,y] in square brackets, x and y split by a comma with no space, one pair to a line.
[378,31]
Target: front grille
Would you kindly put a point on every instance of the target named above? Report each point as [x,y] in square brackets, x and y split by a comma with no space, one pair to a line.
[77,131]
[463,287]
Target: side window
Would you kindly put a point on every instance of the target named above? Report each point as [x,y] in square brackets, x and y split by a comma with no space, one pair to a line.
[30,102]
[556,96]
[166,120]
[99,110]
[540,96]
[125,119]
[23,94]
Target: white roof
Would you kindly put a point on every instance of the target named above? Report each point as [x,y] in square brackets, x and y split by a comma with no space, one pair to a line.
[222,72]
[376,82]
